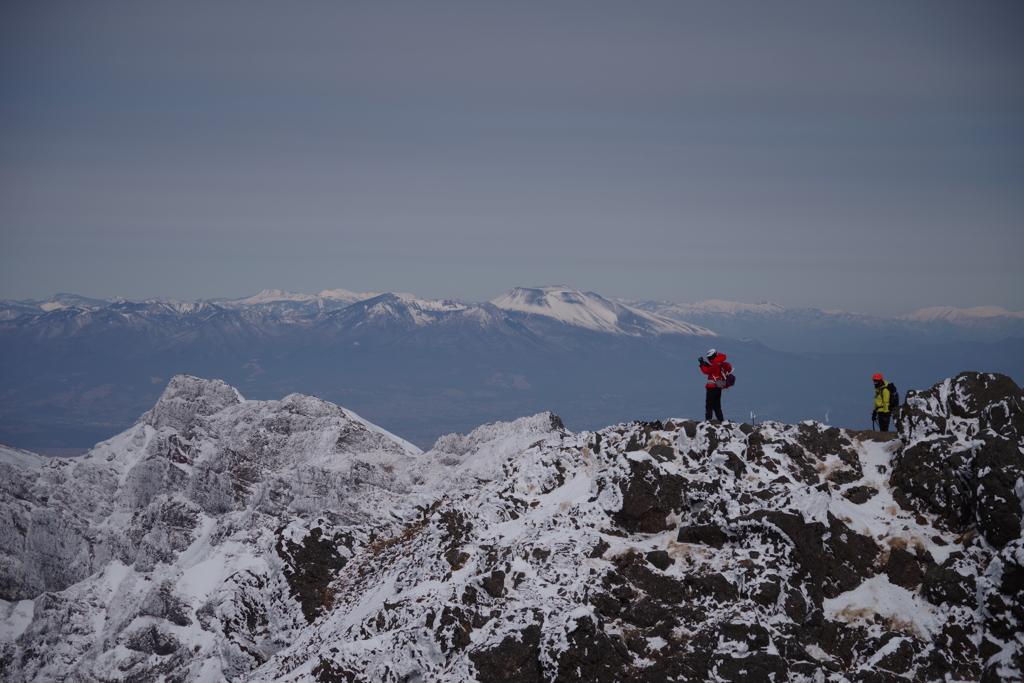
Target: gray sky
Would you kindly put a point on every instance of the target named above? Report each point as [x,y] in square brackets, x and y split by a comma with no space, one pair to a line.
[866,156]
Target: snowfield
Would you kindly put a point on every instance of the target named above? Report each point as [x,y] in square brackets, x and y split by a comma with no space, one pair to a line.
[221,539]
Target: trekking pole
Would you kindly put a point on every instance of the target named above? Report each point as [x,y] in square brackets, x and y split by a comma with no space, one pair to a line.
[874,422]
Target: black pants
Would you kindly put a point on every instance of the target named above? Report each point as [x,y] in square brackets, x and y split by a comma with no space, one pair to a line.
[883,421]
[713,403]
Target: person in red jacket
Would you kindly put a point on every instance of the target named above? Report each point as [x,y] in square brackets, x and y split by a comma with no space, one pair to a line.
[716,369]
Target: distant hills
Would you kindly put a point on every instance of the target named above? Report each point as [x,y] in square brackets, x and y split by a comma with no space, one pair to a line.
[75,370]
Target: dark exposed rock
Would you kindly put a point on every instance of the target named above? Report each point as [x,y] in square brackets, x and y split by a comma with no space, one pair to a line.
[152,640]
[648,497]
[877,676]
[705,534]
[713,585]
[924,478]
[310,567]
[660,559]
[329,672]
[516,659]
[454,627]
[823,441]
[903,569]
[961,484]
[997,468]
[860,494]
[945,586]
[646,614]
[600,548]
[494,583]
[842,477]
[834,558]
[662,452]
[591,655]
[759,666]
[766,592]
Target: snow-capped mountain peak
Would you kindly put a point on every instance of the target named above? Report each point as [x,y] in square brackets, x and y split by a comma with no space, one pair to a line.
[561,302]
[591,311]
[406,307]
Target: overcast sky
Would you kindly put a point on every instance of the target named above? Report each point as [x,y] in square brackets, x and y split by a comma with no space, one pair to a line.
[865,156]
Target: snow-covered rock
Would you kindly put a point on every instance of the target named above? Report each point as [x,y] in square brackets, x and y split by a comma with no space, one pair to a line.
[289,541]
[683,551]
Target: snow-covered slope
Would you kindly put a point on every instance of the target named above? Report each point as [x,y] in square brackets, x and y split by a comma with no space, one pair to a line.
[591,311]
[223,539]
[18,458]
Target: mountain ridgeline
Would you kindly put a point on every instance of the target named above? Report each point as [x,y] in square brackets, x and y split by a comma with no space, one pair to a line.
[224,539]
[74,371]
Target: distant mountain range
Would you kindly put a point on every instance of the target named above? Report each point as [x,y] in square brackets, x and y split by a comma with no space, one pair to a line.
[75,370]
[541,305]
[811,329]
[776,326]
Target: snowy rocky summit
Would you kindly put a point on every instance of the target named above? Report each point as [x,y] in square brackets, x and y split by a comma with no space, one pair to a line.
[220,539]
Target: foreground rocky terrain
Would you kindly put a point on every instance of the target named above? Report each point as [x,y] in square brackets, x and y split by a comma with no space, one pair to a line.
[223,539]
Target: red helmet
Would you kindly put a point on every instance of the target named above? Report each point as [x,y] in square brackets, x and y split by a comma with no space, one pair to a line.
[877,376]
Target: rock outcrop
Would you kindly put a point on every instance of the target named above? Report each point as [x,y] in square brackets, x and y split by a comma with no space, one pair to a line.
[221,539]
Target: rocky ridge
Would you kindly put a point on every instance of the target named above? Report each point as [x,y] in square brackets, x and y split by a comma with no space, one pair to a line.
[235,540]
[165,551]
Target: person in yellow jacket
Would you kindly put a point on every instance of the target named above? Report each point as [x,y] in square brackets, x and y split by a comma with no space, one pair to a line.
[882,396]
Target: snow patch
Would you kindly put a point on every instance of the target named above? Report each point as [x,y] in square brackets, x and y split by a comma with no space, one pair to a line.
[902,609]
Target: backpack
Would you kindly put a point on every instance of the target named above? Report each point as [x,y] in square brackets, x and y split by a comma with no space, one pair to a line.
[730,379]
[894,398]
